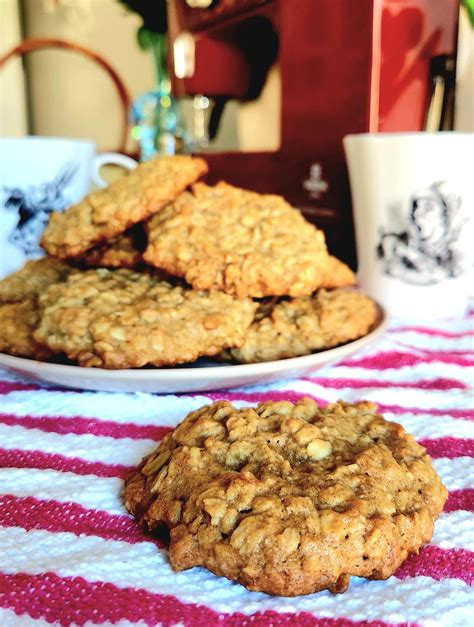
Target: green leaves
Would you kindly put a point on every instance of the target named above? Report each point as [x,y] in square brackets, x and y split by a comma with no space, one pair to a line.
[144,38]
[469,4]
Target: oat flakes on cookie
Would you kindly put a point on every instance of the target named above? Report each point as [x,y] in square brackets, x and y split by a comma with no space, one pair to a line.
[32,279]
[289,498]
[19,314]
[241,242]
[123,319]
[18,321]
[291,328]
[107,213]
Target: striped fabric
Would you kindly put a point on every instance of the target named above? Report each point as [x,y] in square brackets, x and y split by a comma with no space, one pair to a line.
[71,555]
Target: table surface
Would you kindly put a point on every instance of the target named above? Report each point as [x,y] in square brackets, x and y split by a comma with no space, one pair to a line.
[70,554]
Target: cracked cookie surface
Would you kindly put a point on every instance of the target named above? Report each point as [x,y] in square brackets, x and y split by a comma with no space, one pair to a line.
[125,251]
[106,213]
[292,328]
[289,498]
[243,243]
[123,319]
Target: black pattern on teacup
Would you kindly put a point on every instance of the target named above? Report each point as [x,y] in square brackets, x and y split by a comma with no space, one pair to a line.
[425,250]
[33,205]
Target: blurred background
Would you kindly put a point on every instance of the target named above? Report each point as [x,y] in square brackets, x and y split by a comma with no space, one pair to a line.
[265,88]
[56,92]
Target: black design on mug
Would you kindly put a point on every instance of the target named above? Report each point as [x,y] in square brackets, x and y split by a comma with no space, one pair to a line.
[33,206]
[425,251]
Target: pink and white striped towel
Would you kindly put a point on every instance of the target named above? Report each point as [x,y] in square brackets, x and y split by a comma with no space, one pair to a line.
[70,554]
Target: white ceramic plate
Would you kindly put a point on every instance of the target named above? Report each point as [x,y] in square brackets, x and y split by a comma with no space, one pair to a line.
[200,377]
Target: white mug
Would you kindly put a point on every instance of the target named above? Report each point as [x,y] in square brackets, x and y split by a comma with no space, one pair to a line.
[39,175]
[413,202]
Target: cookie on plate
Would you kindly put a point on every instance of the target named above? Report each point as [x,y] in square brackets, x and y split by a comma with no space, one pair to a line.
[291,328]
[289,498]
[32,279]
[337,274]
[240,242]
[19,315]
[123,319]
[106,213]
[125,251]
[18,321]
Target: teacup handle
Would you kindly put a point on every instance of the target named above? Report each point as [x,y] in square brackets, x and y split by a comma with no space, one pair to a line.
[113,158]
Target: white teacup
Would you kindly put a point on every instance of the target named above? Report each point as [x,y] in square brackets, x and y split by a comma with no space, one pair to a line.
[39,175]
[413,201]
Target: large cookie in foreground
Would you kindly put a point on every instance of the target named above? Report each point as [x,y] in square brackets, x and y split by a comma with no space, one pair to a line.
[289,498]
[292,328]
[108,212]
[124,319]
[243,243]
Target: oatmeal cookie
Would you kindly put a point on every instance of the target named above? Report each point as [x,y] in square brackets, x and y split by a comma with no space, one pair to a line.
[125,251]
[32,279]
[106,213]
[289,498]
[17,324]
[123,319]
[241,242]
[292,328]
[19,315]
[337,274]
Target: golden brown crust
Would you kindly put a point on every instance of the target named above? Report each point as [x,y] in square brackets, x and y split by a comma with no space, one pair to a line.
[18,321]
[289,498]
[107,213]
[19,314]
[292,328]
[337,274]
[123,319]
[32,279]
[241,242]
[125,251]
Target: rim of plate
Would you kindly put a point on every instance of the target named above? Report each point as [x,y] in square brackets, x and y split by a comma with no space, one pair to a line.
[218,371]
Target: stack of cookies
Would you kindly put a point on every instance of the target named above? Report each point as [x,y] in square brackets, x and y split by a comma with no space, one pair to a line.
[159,269]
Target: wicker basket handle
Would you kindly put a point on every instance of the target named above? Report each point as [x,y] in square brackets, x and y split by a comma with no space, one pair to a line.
[30,45]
